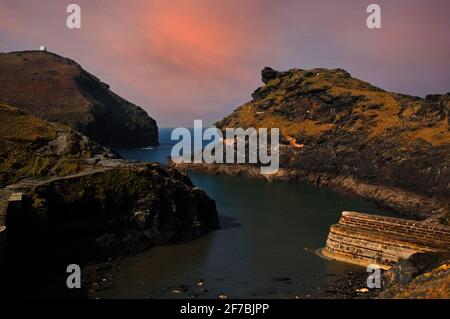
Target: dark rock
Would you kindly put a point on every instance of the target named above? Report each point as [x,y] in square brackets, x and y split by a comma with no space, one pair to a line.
[422,275]
[268,74]
[141,218]
[407,269]
[95,213]
[349,129]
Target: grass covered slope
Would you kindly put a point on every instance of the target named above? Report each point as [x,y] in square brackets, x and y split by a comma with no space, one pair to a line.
[59,90]
[349,127]
[21,135]
[32,147]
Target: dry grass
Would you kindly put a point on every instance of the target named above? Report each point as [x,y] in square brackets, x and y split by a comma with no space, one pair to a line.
[18,126]
[42,84]
[20,136]
[376,112]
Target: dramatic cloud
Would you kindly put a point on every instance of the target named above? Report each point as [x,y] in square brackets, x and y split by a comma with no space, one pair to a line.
[199,59]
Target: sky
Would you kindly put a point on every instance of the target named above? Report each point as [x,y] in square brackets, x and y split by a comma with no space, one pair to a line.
[182,60]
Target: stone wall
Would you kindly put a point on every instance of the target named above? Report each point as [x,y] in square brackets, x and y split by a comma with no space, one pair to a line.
[370,239]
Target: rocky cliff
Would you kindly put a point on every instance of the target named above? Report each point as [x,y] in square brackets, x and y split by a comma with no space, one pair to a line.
[118,208]
[57,89]
[334,126]
[94,217]
[66,199]
[67,175]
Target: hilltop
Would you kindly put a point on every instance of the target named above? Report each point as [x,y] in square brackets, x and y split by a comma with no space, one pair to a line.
[57,89]
[341,132]
[65,197]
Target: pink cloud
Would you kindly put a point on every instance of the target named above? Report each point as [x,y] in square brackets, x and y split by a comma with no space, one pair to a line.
[199,59]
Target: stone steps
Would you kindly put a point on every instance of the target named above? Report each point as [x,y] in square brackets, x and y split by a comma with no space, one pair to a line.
[381,249]
[369,239]
[416,232]
[397,225]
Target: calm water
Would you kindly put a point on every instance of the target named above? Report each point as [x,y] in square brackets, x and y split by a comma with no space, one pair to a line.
[270,231]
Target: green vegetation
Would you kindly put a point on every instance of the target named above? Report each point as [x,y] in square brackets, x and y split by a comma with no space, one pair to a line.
[297,101]
[20,136]
[350,127]
[32,147]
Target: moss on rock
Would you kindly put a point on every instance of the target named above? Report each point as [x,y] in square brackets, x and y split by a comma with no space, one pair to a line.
[351,128]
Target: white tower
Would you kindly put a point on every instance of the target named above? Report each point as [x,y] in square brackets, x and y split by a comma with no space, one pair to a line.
[42,48]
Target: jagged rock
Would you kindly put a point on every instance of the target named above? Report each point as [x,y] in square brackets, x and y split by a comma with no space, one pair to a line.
[419,276]
[268,74]
[115,211]
[141,218]
[350,128]
[81,203]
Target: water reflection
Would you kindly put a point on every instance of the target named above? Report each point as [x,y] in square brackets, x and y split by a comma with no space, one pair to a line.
[271,232]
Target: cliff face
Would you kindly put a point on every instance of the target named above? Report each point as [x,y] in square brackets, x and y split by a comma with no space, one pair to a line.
[113,211]
[59,90]
[117,209]
[65,199]
[67,175]
[335,124]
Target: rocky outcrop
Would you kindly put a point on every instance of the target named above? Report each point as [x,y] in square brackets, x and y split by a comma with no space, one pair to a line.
[335,125]
[72,183]
[57,89]
[421,276]
[67,200]
[112,211]
[98,215]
